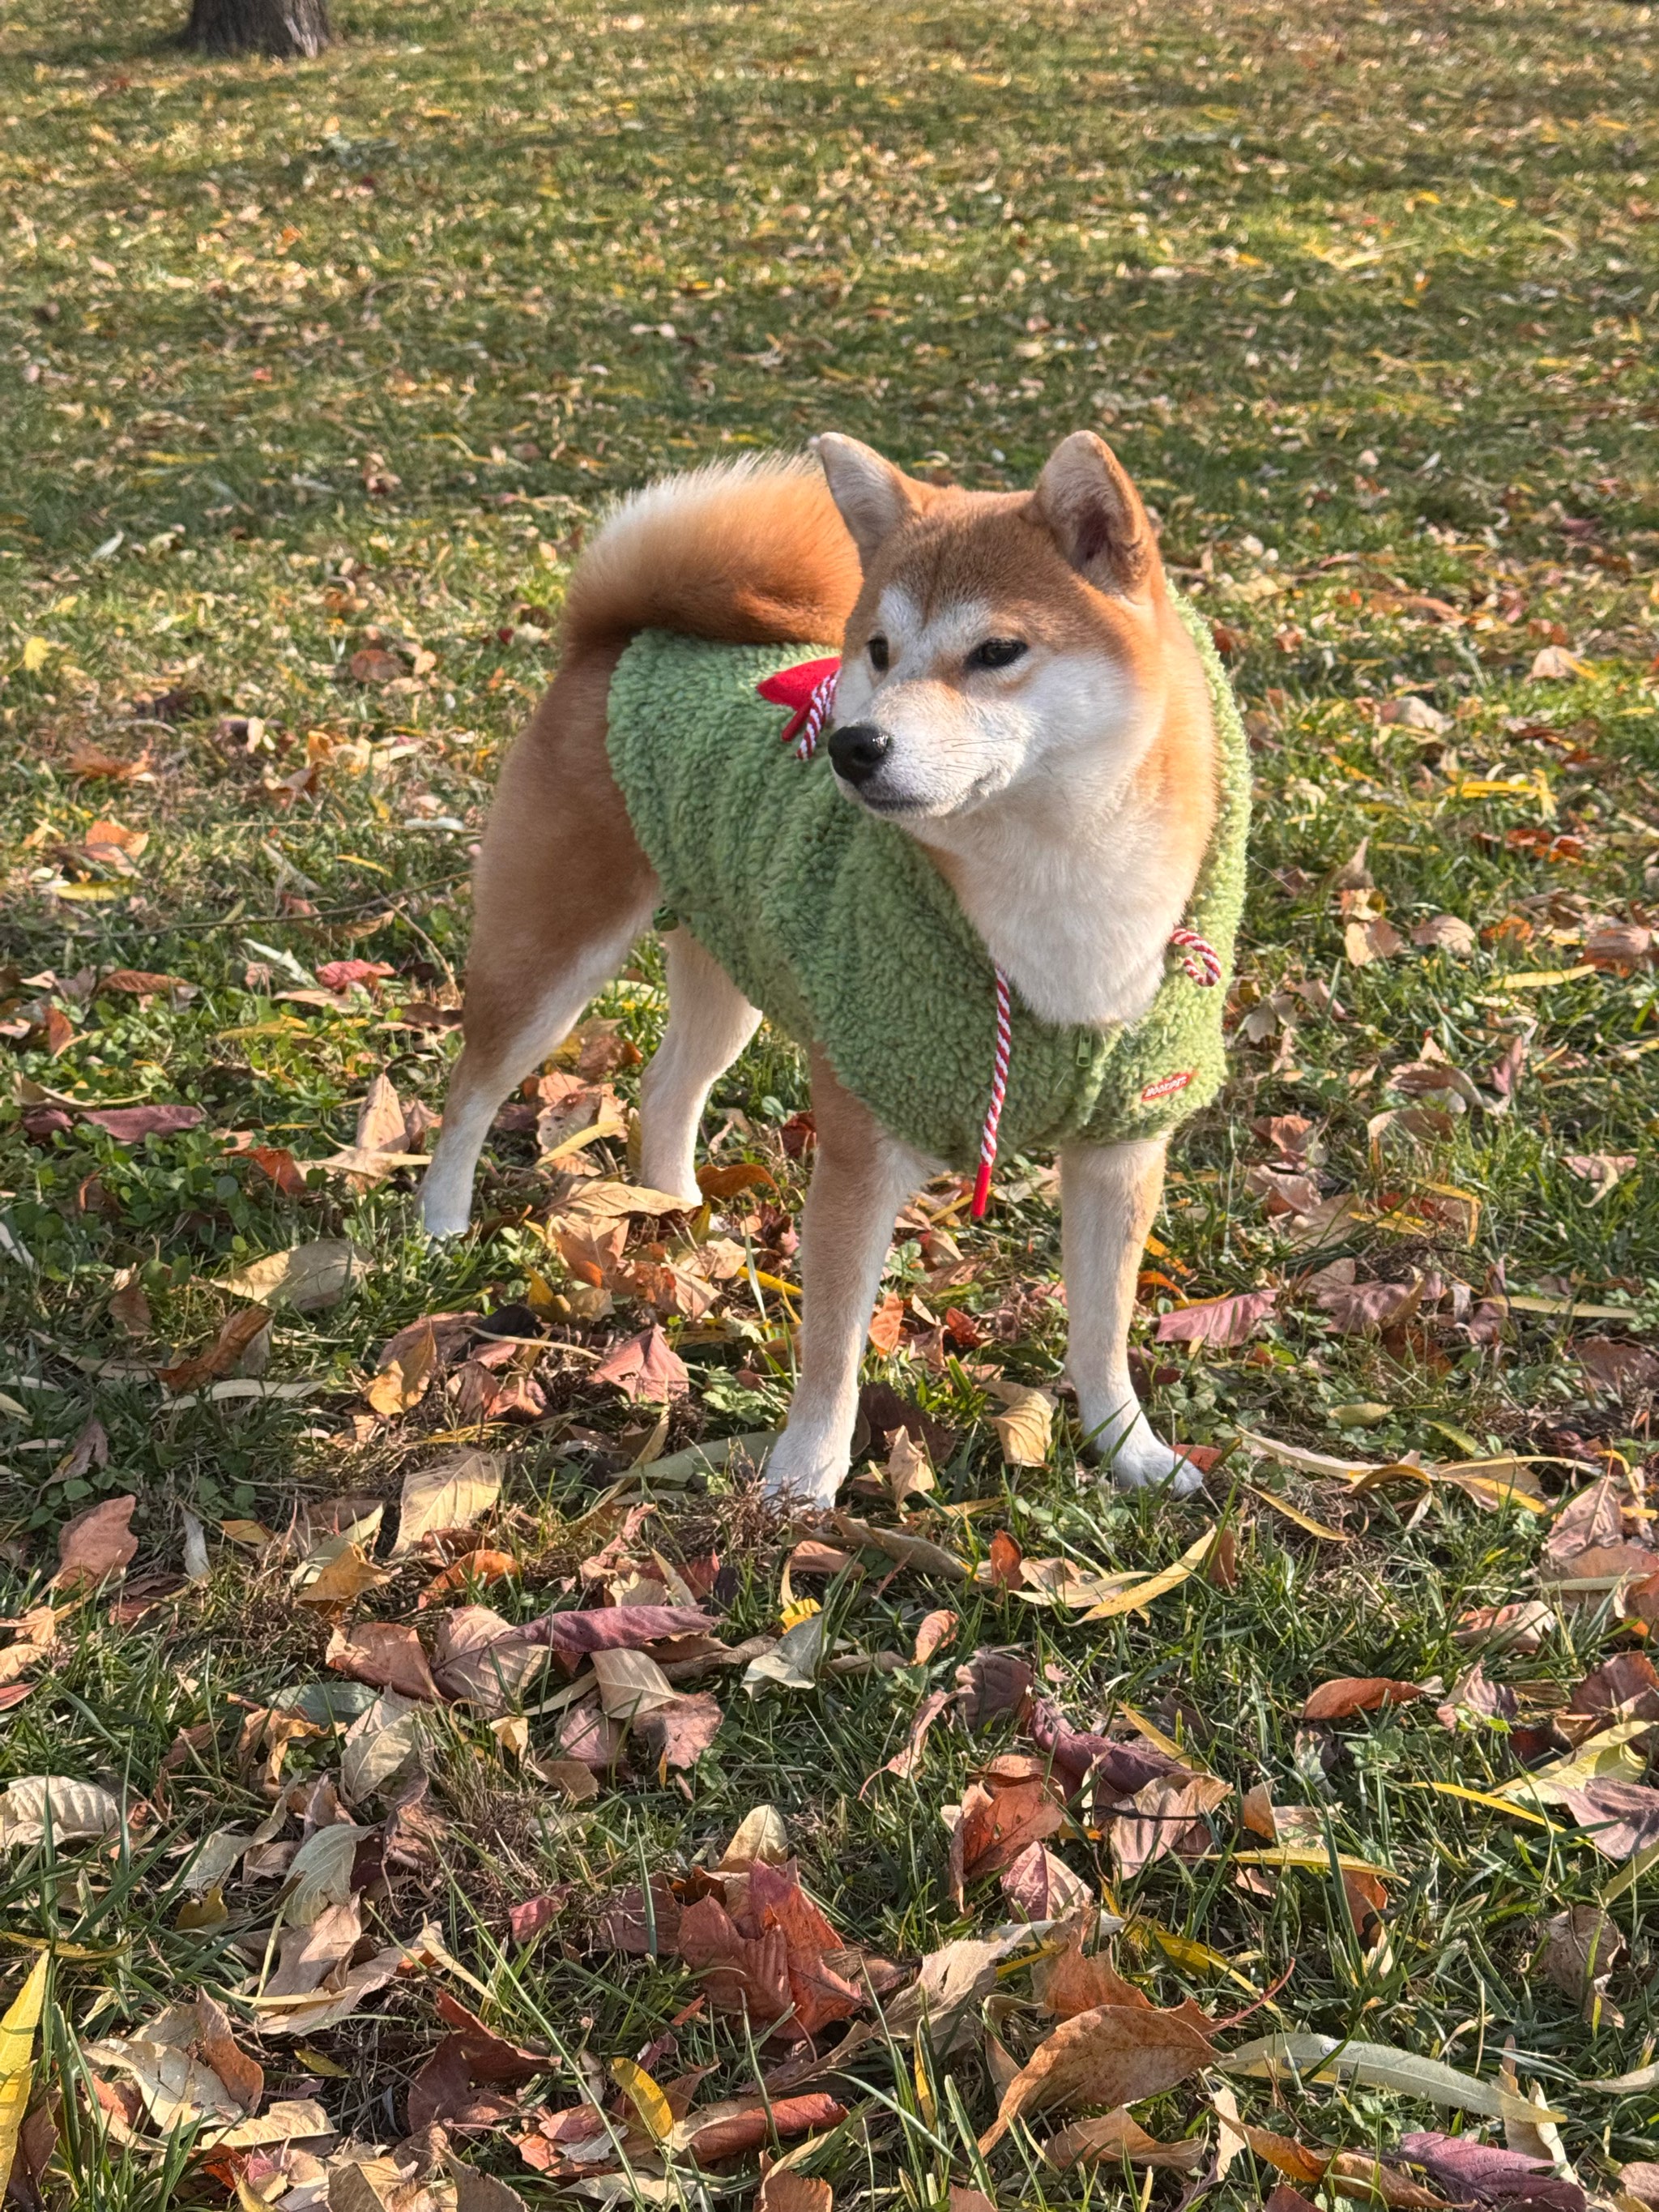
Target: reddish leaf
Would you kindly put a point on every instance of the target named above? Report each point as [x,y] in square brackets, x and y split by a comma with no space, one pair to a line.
[1004,1561]
[339,975]
[646,1367]
[1013,1804]
[1072,1984]
[571,1635]
[1481,2173]
[785,2117]
[527,1920]
[937,1629]
[97,1544]
[1218,1320]
[717,1183]
[1356,1694]
[129,1125]
[277,1162]
[739,1973]
[444,2093]
[1040,1885]
[385,1655]
[490,2057]
[1592,1520]
[904,1763]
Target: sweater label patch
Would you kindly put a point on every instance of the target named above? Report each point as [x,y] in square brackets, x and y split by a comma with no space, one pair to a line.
[1166,1086]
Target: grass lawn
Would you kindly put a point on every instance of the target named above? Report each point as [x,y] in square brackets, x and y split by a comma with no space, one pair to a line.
[315,376]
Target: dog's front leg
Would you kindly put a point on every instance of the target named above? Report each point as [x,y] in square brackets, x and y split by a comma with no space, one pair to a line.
[1109,1197]
[860,1178]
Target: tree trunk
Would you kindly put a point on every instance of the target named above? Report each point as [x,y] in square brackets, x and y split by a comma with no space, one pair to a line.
[285,28]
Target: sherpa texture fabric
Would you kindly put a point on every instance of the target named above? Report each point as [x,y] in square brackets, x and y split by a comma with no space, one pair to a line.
[842,930]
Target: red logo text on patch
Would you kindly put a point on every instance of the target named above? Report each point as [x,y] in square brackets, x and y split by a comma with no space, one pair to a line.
[1166,1086]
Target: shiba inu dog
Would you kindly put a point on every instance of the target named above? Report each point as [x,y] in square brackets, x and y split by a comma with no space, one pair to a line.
[962,902]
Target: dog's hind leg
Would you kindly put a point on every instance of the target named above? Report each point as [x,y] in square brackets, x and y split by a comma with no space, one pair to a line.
[710,1023]
[1109,1199]
[562,892]
[502,1047]
[860,1178]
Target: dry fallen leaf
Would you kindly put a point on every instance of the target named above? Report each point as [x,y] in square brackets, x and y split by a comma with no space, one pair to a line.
[385,1655]
[1025,1431]
[455,1492]
[1115,2136]
[307,1277]
[1115,2055]
[1349,1694]
[95,1544]
[936,1630]
[1219,1321]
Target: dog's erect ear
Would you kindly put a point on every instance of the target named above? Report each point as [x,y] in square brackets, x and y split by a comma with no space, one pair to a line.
[874,496]
[1085,498]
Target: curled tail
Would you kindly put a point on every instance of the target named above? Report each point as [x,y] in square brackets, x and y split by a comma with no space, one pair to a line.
[748,552]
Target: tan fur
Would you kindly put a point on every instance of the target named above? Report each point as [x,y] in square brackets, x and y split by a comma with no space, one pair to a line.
[767,553]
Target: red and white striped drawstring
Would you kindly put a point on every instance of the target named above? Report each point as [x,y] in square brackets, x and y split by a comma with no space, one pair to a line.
[813,709]
[987,1143]
[1198,956]
[816,714]
[1203,965]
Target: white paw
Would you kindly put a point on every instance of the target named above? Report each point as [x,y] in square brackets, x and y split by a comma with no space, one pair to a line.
[443,1214]
[1137,1459]
[805,1470]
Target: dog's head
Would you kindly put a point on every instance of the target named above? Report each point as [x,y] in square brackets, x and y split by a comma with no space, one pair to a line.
[998,638]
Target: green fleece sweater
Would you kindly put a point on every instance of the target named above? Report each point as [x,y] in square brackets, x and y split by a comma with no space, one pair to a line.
[842,930]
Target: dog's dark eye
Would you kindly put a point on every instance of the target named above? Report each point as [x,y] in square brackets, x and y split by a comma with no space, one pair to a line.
[996,653]
[878,652]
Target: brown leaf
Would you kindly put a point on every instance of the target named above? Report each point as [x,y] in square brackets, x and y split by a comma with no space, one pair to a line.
[1218,1320]
[1115,2055]
[1583,1949]
[1592,1519]
[95,1544]
[89,1449]
[1040,1885]
[372,665]
[887,1325]
[642,1927]
[993,1683]
[236,1333]
[783,2190]
[129,1125]
[677,1733]
[908,1474]
[490,2057]
[404,1379]
[719,1183]
[1115,2136]
[1446,933]
[1623,1687]
[1170,1814]
[386,1656]
[936,1629]
[646,1367]
[811,1557]
[1519,1628]
[785,2117]
[1338,1700]
[1371,938]
[904,1763]
[1071,1983]
[1621,1818]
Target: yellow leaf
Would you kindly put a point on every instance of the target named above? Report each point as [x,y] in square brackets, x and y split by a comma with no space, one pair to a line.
[797,1610]
[1313,1856]
[1302,1520]
[1026,1430]
[316,2063]
[643,2094]
[1131,1600]
[17,2033]
[35,650]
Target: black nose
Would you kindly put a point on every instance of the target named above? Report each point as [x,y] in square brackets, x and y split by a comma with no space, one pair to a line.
[858,750]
